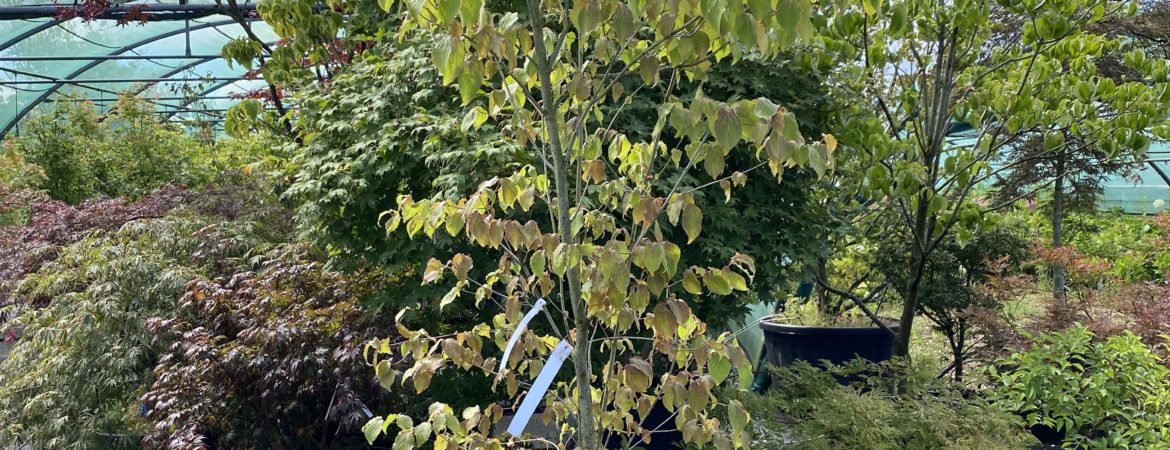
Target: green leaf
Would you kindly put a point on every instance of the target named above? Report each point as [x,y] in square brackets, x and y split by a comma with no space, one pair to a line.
[690,283]
[714,162]
[447,10]
[726,127]
[623,23]
[474,119]
[470,79]
[868,6]
[404,440]
[719,366]
[817,160]
[372,429]
[737,415]
[386,5]
[654,257]
[385,374]
[469,11]
[536,262]
[422,432]
[692,219]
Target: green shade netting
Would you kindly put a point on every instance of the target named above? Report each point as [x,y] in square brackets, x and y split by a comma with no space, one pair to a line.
[201,80]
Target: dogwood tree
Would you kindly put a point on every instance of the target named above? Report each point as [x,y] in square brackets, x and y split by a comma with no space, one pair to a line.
[582,231]
[921,69]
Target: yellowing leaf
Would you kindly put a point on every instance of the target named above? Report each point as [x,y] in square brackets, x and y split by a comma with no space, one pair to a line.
[449,297]
[433,272]
[385,374]
[690,283]
[672,254]
[716,282]
[736,280]
[372,429]
[461,264]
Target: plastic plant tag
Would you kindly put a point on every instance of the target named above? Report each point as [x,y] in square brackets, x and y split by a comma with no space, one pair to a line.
[516,334]
[539,387]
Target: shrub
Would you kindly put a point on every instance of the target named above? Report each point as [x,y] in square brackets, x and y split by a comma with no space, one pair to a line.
[1100,394]
[808,409]
[385,127]
[81,154]
[242,350]
[73,379]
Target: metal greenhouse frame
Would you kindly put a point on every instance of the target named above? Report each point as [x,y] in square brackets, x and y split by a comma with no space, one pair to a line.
[52,53]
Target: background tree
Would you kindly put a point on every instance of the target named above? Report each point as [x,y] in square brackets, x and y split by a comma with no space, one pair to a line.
[1074,174]
[951,290]
[916,67]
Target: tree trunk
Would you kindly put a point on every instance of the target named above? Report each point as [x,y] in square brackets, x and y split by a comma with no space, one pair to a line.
[958,350]
[588,437]
[914,282]
[822,294]
[1058,281]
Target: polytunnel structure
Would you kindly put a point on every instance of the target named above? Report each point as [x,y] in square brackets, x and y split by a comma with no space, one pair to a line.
[164,51]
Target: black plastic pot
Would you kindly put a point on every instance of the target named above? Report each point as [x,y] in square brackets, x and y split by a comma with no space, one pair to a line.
[787,343]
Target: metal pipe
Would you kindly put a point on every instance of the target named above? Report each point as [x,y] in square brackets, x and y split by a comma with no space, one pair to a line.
[30,32]
[118,80]
[47,92]
[111,100]
[170,12]
[12,123]
[100,57]
[1159,171]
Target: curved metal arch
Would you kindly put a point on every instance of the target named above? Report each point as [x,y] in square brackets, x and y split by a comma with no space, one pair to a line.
[30,32]
[45,95]
[178,69]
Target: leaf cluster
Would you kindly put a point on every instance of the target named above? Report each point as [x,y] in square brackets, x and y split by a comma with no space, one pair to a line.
[1097,394]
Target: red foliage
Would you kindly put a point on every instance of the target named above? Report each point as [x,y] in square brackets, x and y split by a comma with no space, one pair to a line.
[52,224]
[270,359]
[90,10]
[136,13]
[1075,263]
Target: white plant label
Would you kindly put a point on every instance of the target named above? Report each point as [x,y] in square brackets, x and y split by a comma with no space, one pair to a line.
[519,330]
[539,387]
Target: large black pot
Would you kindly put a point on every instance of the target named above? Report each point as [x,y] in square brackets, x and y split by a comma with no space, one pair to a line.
[787,343]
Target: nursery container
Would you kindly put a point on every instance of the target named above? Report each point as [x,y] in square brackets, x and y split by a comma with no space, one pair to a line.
[787,343]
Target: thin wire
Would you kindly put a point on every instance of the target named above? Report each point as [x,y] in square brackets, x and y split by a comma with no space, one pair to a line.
[132,51]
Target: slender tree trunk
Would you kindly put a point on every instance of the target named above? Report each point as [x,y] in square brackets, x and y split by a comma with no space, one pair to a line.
[822,293]
[587,433]
[1058,281]
[914,283]
[958,351]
